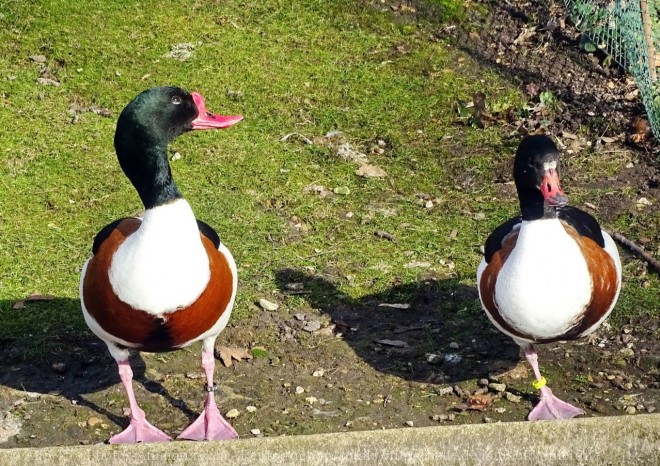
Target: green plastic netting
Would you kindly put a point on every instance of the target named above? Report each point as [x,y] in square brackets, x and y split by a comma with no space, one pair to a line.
[627,31]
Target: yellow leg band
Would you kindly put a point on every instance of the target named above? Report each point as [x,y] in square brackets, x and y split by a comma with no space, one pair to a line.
[538,384]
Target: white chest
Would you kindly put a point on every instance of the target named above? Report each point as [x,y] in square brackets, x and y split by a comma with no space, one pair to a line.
[545,283]
[163,265]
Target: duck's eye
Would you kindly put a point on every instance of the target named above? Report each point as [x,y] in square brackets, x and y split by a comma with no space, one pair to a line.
[176,100]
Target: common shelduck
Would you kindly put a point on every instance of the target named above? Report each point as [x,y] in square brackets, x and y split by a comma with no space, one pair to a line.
[162,281]
[550,274]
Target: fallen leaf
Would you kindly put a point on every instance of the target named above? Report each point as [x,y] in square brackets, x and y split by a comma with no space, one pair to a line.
[641,130]
[38,58]
[395,343]
[479,402]
[227,353]
[532,89]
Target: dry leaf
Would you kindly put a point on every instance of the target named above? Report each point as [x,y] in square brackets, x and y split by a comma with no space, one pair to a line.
[227,353]
[370,171]
[479,402]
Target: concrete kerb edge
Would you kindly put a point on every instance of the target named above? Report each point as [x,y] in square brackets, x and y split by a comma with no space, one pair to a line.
[597,440]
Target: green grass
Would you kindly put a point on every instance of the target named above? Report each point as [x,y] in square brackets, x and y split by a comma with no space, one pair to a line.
[307,67]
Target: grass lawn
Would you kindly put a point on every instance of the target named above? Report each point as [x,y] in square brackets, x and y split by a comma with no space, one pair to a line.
[310,67]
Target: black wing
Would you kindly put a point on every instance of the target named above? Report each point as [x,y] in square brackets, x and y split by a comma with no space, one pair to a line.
[102,235]
[209,232]
[494,241]
[583,223]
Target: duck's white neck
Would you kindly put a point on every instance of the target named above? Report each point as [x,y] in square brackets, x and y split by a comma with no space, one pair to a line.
[163,265]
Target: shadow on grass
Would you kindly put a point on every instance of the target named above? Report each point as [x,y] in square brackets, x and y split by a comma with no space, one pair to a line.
[56,354]
[441,312]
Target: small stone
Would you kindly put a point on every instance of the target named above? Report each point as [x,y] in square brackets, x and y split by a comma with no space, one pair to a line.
[500,410]
[93,421]
[512,398]
[311,400]
[444,391]
[432,358]
[488,420]
[343,190]
[286,384]
[232,413]
[267,305]
[318,373]
[299,316]
[299,390]
[348,424]
[255,431]
[250,409]
[312,326]
[453,345]
[410,423]
[650,409]
[497,387]
[631,410]
[483,382]
[38,58]
[176,156]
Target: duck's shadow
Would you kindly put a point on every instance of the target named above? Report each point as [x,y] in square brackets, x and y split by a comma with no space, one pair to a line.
[41,359]
[431,330]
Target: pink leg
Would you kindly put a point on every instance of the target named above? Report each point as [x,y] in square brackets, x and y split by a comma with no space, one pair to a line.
[550,407]
[139,430]
[210,425]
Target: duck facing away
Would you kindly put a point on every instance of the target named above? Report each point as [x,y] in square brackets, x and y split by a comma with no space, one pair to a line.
[550,274]
[162,281]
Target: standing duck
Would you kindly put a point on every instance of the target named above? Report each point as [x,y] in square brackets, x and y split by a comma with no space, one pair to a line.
[162,281]
[550,274]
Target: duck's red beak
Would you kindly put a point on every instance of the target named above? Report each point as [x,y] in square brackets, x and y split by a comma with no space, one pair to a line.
[208,120]
[552,192]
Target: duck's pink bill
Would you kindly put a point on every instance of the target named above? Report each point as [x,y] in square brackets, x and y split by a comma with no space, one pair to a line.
[208,120]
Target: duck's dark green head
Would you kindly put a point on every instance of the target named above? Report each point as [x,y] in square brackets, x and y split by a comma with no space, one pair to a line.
[147,125]
[536,174]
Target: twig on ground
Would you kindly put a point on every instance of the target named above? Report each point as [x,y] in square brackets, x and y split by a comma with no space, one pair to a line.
[637,250]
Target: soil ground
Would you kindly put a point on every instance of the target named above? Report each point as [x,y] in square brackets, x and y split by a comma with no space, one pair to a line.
[332,363]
